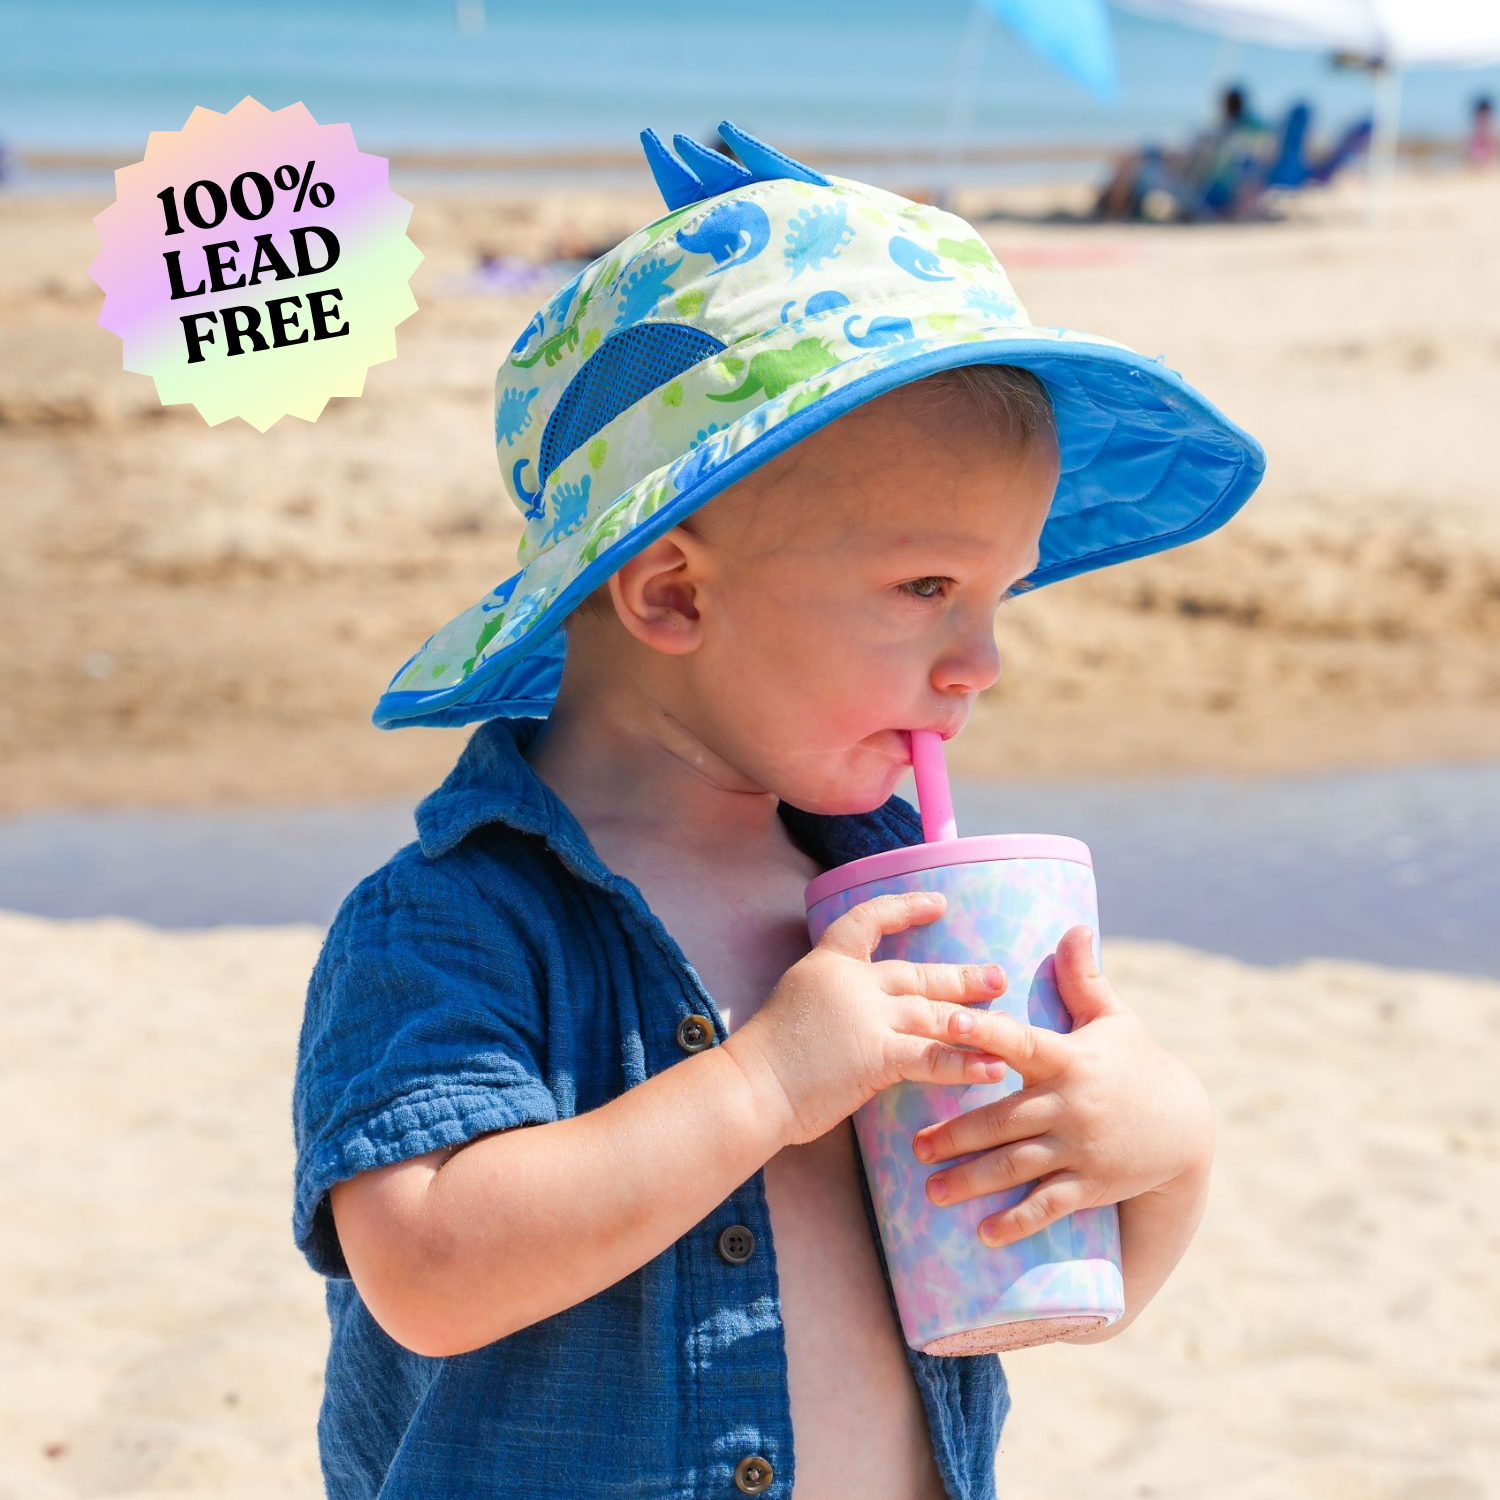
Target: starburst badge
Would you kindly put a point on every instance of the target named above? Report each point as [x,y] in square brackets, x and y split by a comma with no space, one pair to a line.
[255,263]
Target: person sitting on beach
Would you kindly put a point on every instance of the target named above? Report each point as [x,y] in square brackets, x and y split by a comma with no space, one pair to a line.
[1208,171]
[573,1092]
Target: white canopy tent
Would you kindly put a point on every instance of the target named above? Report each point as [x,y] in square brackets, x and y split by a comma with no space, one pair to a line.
[1393,34]
[1404,33]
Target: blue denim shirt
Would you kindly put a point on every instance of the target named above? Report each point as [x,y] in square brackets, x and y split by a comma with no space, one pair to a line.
[495,973]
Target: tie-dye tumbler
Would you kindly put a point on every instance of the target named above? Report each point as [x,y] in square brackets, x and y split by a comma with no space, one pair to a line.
[1009,899]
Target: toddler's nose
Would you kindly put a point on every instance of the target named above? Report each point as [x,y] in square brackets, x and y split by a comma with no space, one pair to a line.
[972,666]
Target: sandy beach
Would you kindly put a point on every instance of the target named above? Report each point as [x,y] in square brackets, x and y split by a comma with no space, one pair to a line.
[205,618]
[1331,1333]
[209,614]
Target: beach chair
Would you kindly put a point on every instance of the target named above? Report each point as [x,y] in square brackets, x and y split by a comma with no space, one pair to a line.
[1354,142]
[1233,186]
[1289,168]
[1221,186]
[1292,171]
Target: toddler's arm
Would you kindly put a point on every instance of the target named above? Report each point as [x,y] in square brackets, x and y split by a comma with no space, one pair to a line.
[455,1249]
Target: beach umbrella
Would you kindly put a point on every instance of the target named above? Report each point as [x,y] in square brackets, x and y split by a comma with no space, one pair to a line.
[1073,35]
[1390,34]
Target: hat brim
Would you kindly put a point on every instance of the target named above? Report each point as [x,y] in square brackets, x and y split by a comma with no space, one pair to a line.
[1147,463]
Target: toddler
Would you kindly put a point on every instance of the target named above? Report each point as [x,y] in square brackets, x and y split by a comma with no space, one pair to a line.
[781,456]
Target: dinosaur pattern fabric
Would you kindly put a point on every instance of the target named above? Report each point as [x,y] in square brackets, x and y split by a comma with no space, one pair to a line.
[810,284]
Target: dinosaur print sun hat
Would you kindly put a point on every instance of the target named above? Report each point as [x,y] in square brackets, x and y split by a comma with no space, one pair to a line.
[770,299]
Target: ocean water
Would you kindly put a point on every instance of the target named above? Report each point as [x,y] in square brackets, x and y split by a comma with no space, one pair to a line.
[1390,867]
[100,75]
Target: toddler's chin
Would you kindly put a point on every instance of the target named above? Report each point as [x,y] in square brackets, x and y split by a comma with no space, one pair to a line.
[863,782]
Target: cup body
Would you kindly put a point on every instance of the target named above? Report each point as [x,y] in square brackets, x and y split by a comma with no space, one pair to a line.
[1010,898]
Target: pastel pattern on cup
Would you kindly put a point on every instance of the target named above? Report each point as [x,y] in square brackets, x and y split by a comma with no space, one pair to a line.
[949,1285]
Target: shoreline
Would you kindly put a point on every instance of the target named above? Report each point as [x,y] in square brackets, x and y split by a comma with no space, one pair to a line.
[908,169]
[493,159]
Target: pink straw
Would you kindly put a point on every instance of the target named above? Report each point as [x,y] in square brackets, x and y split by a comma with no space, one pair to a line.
[934,800]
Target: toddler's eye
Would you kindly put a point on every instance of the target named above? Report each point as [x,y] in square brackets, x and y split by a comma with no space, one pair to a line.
[915,591]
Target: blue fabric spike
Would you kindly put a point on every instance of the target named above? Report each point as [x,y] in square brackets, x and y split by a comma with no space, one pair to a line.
[766,162]
[678,185]
[718,172]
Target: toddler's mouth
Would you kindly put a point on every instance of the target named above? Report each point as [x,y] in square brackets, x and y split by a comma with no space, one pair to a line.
[944,731]
[901,739]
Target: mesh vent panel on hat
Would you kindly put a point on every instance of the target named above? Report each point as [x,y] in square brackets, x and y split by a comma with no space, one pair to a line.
[626,366]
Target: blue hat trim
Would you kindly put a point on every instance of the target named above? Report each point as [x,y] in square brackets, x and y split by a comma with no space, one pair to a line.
[1147,463]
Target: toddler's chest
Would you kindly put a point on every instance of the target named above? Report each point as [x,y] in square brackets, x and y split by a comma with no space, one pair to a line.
[740,946]
[858,1422]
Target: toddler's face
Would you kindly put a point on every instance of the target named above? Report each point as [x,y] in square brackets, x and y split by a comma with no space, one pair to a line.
[841,593]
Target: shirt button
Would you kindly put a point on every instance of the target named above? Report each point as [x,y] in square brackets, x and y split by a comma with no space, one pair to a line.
[753,1474]
[736,1244]
[694,1033]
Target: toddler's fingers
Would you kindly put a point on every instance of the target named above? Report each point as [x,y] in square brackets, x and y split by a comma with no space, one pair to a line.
[1033,1051]
[859,930]
[935,1062]
[958,983]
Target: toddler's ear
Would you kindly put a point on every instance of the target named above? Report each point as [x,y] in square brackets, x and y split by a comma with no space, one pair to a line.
[656,589]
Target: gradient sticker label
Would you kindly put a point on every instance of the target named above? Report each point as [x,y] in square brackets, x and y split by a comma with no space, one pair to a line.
[255,263]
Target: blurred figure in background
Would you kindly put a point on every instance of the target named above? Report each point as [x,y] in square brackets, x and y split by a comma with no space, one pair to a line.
[1481,147]
[1207,171]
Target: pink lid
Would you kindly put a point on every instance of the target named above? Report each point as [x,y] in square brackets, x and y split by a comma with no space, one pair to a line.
[931,856]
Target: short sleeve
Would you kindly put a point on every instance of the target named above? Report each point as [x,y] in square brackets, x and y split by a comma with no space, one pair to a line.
[424,1026]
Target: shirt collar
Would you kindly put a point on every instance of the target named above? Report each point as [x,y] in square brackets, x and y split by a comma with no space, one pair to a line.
[493,782]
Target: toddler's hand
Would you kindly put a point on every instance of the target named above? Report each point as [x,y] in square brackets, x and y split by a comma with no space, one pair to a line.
[1106,1112]
[838,1028]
